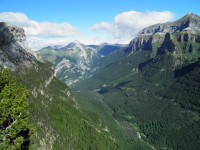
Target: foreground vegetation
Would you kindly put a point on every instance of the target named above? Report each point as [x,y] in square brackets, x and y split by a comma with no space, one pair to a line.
[15,131]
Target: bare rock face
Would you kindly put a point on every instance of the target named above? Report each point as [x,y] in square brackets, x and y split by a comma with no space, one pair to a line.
[14,51]
[144,42]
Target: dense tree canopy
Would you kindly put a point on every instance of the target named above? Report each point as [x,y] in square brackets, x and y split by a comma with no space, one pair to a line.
[14,130]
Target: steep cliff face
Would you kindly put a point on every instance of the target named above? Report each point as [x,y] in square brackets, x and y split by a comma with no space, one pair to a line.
[180,38]
[14,52]
[145,42]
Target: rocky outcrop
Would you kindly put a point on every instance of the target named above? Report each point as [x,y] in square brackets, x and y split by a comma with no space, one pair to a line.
[14,52]
[144,42]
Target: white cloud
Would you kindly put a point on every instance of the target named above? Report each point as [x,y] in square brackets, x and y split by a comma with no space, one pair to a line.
[103,26]
[41,34]
[126,25]
[123,28]
[37,43]
[38,29]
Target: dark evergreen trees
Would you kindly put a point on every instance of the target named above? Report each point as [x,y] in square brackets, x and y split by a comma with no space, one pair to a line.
[14,130]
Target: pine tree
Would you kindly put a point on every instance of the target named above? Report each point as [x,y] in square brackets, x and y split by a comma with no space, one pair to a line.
[14,129]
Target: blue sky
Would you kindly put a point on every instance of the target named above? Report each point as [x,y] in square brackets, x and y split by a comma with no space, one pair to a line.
[90,21]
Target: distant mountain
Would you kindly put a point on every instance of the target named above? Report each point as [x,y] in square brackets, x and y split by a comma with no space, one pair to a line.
[70,62]
[76,60]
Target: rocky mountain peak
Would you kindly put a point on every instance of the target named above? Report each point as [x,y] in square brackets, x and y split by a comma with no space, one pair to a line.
[189,22]
[14,51]
[75,44]
[190,15]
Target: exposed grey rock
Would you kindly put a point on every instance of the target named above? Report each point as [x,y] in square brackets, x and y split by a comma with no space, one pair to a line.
[144,42]
[190,22]
[14,51]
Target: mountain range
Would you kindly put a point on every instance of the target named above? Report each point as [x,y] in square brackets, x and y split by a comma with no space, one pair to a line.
[144,95]
[75,61]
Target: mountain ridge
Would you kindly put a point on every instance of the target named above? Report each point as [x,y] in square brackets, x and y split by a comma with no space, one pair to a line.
[81,59]
[180,38]
[190,20]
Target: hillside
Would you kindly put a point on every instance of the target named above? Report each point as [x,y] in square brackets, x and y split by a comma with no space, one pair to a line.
[56,118]
[153,91]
